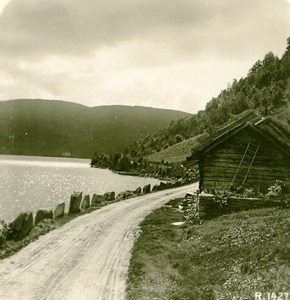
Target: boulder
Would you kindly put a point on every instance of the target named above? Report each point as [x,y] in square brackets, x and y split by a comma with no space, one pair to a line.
[176,183]
[75,202]
[138,191]
[163,186]
[125,195]
[156,188]
[59,211]
[21,226]
[110,196]
[43,214]
[147,189]
[121,196]
[129,194]
[97,199]
[86,202]
[170,184]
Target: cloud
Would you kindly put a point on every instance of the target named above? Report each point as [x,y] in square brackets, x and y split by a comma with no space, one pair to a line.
[150,51]
[39,27]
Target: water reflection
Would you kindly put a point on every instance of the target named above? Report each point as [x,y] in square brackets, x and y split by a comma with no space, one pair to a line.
[31,183]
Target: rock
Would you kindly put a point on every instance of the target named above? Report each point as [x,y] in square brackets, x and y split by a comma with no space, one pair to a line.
[156,188]
[75,201]
[46,225]
[121,196]
[110,196]
[97,199]
[86,202]
[43,214]
[138,191]
[163,186]
[59,211]
[176,183]
[21,226]
[129,194]
[147,189]
[125,195]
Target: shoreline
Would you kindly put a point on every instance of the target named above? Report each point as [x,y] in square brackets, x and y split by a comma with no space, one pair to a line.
[12,246]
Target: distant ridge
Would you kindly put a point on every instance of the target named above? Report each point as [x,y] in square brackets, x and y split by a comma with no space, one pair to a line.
[60,128]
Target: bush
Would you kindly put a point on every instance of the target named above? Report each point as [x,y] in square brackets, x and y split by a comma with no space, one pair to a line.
[276,190]
[3,233]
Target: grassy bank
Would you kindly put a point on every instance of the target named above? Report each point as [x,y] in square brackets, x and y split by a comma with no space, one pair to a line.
[179,152]
[230,257]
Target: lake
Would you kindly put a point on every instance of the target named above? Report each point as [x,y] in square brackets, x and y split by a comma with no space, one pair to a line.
[32,183]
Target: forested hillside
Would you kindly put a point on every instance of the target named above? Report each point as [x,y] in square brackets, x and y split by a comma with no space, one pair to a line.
[266,90]
[56,128]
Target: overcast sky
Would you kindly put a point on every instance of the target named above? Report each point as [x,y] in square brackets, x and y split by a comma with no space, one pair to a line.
[174,54]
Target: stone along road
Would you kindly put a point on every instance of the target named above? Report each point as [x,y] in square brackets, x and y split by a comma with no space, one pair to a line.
[87,258]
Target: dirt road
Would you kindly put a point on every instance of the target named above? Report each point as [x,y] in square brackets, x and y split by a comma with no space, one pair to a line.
[87,258]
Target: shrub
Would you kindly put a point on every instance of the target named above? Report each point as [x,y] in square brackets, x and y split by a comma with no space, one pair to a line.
[3,233]
[276,190]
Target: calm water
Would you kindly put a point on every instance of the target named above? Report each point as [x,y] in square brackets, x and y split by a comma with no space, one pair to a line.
[32,183]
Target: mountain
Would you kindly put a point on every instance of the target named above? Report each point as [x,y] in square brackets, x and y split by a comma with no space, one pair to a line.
[55,128]
[265,91]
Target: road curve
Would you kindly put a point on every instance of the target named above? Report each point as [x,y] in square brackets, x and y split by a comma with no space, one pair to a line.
[87,258]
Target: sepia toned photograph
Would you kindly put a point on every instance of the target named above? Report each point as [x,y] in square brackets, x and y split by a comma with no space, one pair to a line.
[144,150]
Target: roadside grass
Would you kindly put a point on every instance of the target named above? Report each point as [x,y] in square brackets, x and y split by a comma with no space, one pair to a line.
[230,257]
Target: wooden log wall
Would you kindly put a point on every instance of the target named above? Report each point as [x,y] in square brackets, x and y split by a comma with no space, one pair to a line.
[221,163]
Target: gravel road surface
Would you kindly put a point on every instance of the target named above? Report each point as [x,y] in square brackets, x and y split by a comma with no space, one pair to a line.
[87,258]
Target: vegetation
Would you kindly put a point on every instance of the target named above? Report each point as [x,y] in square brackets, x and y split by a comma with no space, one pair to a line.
[54,128]
[230,257]
[179,152]
[265,89]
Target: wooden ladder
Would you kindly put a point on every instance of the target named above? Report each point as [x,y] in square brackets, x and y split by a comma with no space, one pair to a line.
[242,160]
[255,154]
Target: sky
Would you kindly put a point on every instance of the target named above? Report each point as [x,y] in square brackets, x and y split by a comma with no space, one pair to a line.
[174,54]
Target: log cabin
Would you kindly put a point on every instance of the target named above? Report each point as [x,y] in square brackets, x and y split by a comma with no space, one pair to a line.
[251,154]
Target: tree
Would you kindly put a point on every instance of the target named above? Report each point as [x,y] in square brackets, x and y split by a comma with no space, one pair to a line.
[178,138]
[285,61]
